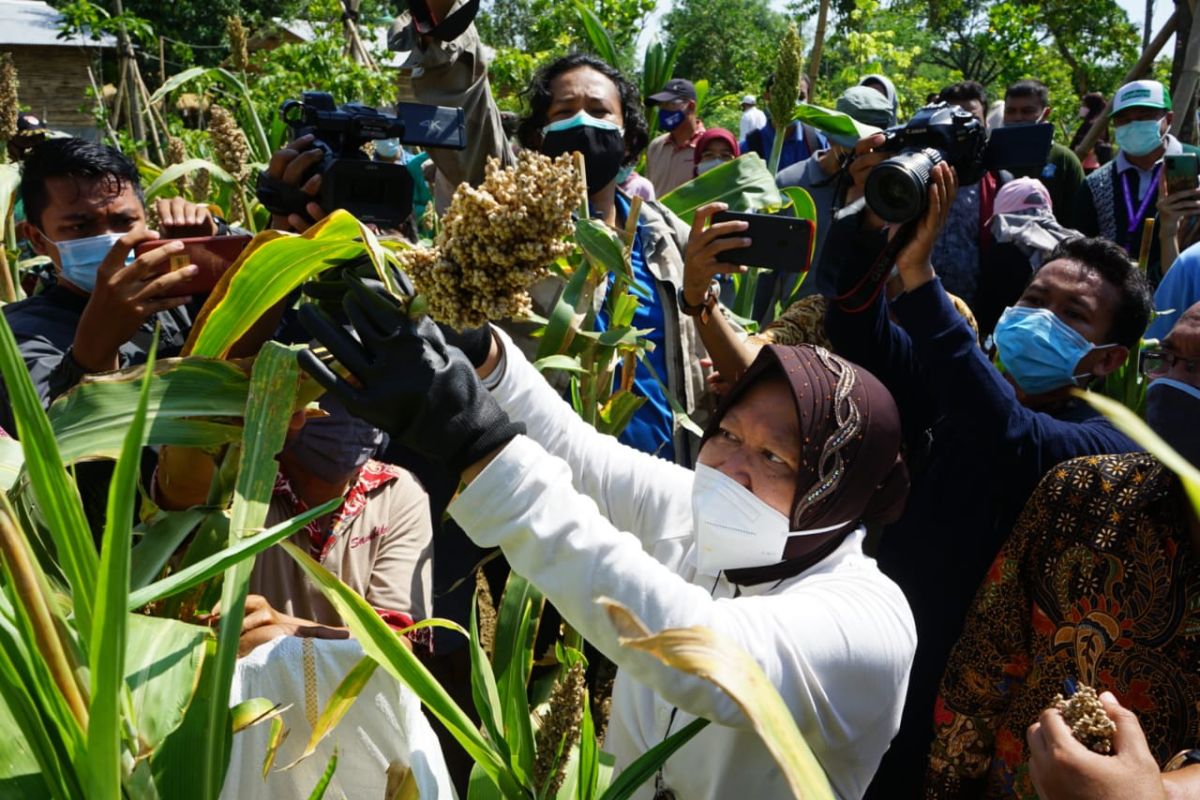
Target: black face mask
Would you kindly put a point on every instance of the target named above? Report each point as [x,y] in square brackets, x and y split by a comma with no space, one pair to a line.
[603,148]
[1172,409]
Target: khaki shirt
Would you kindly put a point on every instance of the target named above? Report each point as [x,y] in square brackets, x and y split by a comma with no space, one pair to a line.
[380,545]
[668,165]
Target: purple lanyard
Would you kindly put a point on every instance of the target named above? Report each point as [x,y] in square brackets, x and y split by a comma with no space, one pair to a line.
[1135,218]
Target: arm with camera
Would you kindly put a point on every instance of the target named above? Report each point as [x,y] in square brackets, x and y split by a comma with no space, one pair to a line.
[977,401]
[862,330]
[453,71]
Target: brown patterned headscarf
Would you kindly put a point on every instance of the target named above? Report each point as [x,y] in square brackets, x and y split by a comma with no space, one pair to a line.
[850,466]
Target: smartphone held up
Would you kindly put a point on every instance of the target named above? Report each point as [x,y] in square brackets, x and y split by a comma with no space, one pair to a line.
[776,242]
[213,255]
[1182,172]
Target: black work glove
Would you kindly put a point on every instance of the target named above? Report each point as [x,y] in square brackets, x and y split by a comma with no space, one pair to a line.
[475,343]
[422,392]
[331,286]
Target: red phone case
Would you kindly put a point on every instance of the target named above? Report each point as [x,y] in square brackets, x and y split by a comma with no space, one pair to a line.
[212,254]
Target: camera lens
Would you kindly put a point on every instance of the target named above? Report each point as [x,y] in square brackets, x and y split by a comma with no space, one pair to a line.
[896,189]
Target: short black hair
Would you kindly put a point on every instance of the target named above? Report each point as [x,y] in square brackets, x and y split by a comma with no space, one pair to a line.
[1094,102]
[964,91]
[1110,261]
[78,159]
[539,98]
[1029,87]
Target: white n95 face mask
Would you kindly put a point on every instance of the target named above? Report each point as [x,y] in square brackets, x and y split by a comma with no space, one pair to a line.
[734,528]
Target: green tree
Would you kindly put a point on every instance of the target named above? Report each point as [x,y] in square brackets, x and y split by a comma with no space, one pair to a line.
[195,30]
[552,26]
[731,43]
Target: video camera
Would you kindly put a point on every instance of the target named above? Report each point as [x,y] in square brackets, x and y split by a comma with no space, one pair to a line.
[375,192]
[897,189]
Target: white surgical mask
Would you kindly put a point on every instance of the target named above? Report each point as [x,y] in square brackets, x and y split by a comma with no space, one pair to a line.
[707,164]
[734,528]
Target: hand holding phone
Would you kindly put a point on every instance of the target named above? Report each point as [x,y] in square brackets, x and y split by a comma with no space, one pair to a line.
[1182,172]
[213,255]
[776,242]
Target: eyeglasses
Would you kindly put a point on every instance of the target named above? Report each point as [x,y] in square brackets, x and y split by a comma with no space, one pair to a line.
[1156,362]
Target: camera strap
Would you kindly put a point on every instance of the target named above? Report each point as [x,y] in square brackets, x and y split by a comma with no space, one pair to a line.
[864,293]
[448,29]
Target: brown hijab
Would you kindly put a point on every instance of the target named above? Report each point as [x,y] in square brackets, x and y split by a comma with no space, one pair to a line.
[850,466]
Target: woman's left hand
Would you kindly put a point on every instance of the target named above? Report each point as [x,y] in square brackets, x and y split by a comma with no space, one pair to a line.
[701,259]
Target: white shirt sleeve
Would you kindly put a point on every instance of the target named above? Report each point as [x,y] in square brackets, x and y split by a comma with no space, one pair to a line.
[837,646]
[634,490]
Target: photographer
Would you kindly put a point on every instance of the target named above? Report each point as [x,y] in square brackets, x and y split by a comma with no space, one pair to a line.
[762,543]
[85,211]
[985,437]
[577,103]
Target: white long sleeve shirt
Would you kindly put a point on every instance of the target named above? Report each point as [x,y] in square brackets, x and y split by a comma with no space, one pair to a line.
[582,516]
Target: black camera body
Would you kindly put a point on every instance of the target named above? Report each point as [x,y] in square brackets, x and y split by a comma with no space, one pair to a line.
[896,189]
[376,192]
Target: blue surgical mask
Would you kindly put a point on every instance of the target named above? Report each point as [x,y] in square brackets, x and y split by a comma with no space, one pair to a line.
[1140,137]
[387,149]
[79,259]
[708,164]
[670,120]
[623,174]
[1039,350]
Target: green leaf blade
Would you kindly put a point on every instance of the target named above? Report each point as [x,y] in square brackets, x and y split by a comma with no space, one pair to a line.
[55,492]
[106,650]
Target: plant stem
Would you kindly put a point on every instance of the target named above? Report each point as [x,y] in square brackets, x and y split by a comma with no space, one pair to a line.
[777,146]
[30,592]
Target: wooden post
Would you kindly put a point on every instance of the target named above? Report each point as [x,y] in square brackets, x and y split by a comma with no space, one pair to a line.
[1185,92]
[128,67]
[162,61]
[1139,69]
[814,57]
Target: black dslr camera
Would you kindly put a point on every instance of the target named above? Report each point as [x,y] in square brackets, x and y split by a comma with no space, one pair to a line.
[375,192]
[896,188]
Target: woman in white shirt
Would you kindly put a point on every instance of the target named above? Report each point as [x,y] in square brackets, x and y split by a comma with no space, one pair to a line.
[763,543]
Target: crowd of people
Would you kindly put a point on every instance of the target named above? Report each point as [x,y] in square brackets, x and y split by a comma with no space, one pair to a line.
[901,506]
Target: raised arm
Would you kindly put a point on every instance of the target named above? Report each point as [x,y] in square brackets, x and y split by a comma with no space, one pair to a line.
[857,633]
[975,398]
[454,73]
[632,489]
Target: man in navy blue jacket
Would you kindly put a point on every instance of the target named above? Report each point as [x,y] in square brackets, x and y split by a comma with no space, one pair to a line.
[980,439]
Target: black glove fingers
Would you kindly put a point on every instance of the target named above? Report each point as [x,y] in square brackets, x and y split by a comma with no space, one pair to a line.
[387,311]
[350,395]
[373,336]
[336,339]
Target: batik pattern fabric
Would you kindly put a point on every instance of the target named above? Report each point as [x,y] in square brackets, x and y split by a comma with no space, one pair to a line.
[1098,584]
